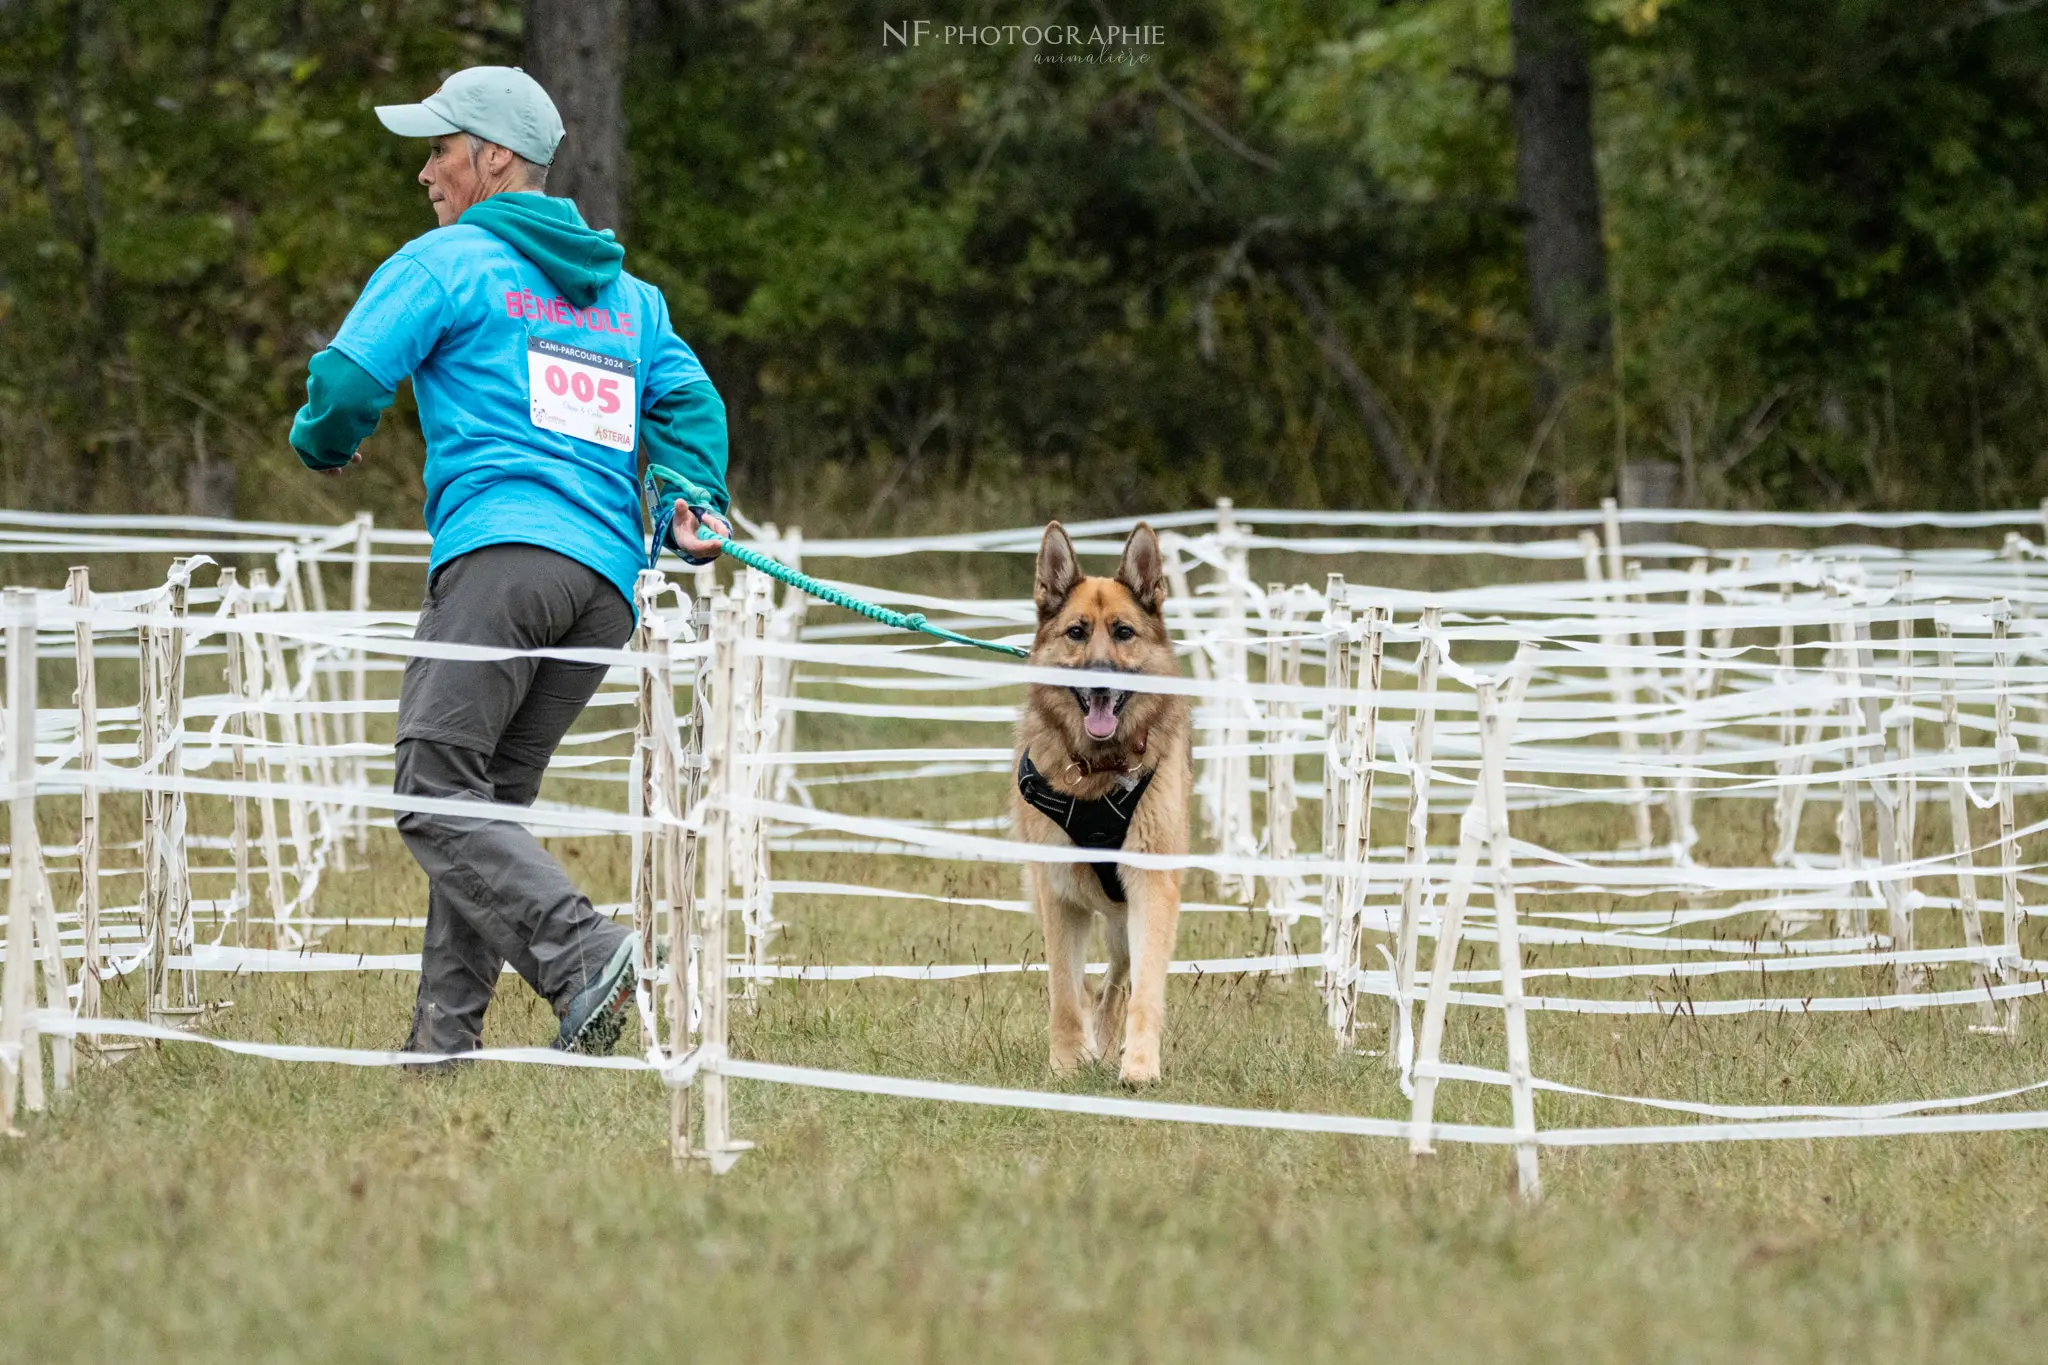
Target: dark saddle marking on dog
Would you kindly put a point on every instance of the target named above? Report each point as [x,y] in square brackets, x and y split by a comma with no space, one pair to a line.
[1101,823]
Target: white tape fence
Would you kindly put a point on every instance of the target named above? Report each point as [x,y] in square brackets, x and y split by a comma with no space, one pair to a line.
[1660,689]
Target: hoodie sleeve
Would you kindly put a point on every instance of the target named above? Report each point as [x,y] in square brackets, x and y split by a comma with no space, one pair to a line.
[671,363]
[685,430]
[343,403]
[401,316]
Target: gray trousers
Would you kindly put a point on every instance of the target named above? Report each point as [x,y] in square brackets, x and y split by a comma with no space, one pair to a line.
[483,730]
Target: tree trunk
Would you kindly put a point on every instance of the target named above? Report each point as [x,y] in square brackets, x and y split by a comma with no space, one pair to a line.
[1558,187]
[576,49]
[1373,413]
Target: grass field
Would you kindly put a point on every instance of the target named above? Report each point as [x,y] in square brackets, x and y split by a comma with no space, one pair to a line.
[186,1205]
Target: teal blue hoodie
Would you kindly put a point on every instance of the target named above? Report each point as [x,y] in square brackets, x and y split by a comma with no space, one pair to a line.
[685,427]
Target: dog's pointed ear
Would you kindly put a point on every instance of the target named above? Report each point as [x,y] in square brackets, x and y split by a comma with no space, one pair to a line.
[1142,570]
[1058,571]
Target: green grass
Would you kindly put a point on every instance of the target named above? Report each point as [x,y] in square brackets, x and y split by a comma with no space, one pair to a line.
[191,1206]
[187,1205]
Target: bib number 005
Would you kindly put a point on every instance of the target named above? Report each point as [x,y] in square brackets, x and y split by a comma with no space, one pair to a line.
[580,393]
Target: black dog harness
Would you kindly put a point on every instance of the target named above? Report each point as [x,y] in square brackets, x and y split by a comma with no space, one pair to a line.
[1101,823]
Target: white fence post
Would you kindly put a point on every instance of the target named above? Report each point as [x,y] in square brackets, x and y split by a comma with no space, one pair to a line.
[255,725]
[31,915]
[719,1150]
[1691,682]
[1905,792]
[320,761]
[167,907]
[1493,747]
[1342,1004]
[1854,920]
[1415,849]
[21,1048]
[1474,833]
[359,728]
[1619,676]
[1235,835]
[279,694]
[78,592]
[1961,842]
[1283,667]
[238,756]
[1784,816]
[1336,770]
[754,736]
[686,950]
[643,798]
[2012,910]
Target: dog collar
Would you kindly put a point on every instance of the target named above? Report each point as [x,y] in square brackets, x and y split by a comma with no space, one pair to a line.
[1101,823]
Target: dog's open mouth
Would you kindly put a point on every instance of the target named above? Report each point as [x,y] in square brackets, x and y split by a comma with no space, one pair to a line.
[1100,708]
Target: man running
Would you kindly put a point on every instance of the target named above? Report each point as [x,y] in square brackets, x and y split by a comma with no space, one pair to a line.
[540,368]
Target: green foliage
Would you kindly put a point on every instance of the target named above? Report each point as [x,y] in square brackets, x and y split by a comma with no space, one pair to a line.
[1852,197]
[190,202]
[920,269]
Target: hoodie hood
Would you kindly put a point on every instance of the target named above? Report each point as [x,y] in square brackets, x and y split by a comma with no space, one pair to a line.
[579,259]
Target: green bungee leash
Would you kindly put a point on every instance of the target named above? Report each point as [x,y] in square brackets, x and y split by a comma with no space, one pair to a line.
[665,487]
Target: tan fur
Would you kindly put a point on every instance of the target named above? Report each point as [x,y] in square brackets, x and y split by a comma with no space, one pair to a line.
[1152,734]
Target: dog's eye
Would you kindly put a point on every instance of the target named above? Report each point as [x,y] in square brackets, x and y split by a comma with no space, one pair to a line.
[1077,632]
[1122,632]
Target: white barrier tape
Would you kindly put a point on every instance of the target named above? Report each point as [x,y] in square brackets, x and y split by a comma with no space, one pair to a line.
[1815,962]
[1486,1076]
[310,628]
[782,887]
[1753,705]
[55,1023]
[1214,966]
[1361,1126]
[1105,1106]
[1554,718]
[1789,1130]
[1557,868]
[1552,865]
[54,532]
[1382,983]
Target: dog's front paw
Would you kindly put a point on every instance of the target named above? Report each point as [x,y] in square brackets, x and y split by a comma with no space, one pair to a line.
[1105,1032]
[1141,1066]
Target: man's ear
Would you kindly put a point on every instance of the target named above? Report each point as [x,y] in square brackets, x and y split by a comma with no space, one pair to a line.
[1142,570]
[1058,571]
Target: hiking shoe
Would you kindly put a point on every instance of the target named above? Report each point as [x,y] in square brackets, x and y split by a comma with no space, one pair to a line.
[597,1014]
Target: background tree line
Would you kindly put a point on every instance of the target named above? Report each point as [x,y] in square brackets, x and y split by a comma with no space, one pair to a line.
[1461,253]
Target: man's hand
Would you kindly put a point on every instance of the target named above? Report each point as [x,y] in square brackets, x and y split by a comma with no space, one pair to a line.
[685,531]
[339,470]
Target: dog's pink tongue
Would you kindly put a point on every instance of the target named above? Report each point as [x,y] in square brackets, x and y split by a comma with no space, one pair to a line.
[1100,722]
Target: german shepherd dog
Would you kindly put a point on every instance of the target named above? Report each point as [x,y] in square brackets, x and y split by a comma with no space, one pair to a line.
[1094,763]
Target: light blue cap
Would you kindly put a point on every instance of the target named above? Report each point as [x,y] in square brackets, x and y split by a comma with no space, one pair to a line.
[500,104]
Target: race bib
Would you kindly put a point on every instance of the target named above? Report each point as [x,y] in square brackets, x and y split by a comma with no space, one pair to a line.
[582,393]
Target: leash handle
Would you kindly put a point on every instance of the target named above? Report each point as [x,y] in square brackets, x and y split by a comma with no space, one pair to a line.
[698,501]
[663,505]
